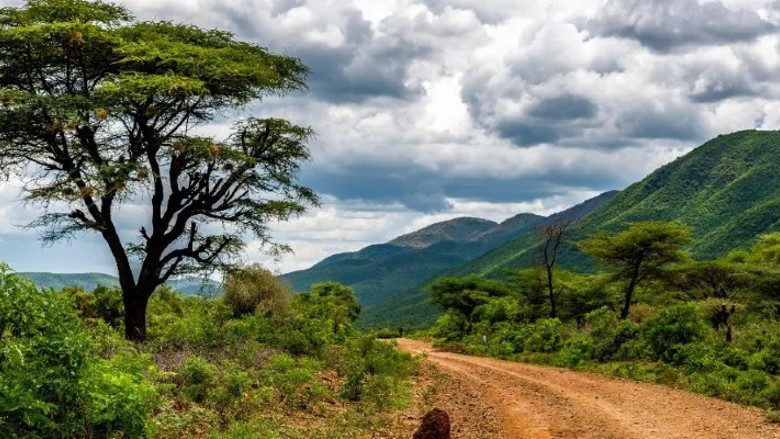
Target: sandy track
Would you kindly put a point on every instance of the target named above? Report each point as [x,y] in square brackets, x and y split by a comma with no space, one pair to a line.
[538,402]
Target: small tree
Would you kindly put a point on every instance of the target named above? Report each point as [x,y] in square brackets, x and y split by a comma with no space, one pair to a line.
[553,235]
[255,290]
[97,110]
[464,295]
[331,301]
[639,253]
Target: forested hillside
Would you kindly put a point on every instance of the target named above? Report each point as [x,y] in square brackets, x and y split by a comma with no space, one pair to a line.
[726,190]
[410,308]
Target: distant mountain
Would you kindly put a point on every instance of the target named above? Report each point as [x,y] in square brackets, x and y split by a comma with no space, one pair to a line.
[88,281]
[411,309]
[379,271]
[458,230]
[58,281]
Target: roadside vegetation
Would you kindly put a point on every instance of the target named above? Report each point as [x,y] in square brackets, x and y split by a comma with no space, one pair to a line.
[255,362]
[652,314]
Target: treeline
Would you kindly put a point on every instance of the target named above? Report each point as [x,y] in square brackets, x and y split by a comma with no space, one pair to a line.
[253,362]
[652,314]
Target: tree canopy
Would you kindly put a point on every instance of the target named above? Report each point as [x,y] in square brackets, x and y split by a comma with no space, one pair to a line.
[639,253]
[98,110]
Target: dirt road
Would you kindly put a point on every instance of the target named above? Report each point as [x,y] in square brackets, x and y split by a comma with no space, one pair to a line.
[537,402]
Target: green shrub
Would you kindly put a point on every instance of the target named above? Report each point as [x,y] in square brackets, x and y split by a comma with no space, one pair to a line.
[198,378]
[52,384]
[576,351]
[674,327]
[610,335]
[544,336]
[374,371]
[253,290]
[294,380]
[772,394]
[449,326]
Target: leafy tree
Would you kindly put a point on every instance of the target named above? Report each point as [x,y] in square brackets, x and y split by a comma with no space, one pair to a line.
[97,110]
[703,279]
[639,253]
[464,295]
[332,301]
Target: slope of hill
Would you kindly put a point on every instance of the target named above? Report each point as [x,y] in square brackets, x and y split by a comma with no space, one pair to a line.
[411,309]
[191,286]
[727,190]
[378,271]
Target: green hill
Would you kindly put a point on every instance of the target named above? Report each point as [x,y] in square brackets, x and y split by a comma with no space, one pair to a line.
[411,309]
[88,281]
[379,271]
[727,190]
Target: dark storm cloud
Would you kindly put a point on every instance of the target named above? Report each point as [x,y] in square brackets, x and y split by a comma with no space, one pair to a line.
[548,120]
[427,190]
[648,122]
[526,133]
[564,108]
[666,24]
[725,88]
[489,12]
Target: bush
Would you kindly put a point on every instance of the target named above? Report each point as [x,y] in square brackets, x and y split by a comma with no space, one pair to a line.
[253,290]
[293,380]
[544,336]
[374,371]
[198,378]
[52,384]
[610,335]
[678,325]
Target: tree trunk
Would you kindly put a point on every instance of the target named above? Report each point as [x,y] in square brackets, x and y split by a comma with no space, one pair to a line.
[551,289]
[630,289]
[135,316]
[628,294]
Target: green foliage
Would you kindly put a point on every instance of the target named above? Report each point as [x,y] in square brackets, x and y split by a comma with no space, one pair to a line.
[374,372]
[198,375]
[639,253]
[331,303]
[674,327]
[294,380]
[52,384]
[465,295]
[103,303]
[544,336]
[255,290]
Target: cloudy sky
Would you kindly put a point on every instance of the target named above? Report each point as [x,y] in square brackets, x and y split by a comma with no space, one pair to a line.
[427,110]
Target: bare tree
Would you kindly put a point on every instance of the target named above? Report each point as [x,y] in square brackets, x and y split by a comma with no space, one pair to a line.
[553,234]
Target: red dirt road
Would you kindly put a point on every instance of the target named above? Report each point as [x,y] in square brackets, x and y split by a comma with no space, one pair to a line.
[538,402]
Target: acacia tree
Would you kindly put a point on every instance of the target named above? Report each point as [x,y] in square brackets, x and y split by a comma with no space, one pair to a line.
[98,110]
[464,295]
[639,253]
